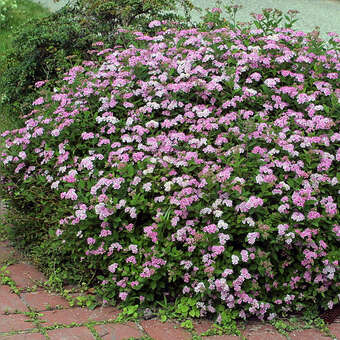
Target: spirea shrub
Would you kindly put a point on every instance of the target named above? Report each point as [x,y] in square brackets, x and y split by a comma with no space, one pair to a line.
[200,165]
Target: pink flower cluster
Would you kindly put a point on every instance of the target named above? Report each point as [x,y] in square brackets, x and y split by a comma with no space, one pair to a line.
[210,161]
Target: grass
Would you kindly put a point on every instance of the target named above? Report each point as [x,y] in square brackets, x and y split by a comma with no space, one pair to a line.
[26,10]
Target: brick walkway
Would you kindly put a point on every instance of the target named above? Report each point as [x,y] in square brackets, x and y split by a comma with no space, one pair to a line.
[40,315]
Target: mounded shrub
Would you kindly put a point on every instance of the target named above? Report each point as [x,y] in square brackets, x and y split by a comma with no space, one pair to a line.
[196,165]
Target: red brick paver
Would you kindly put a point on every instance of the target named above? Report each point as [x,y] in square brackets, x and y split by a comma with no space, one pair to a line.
[335,329]
[222,337]
[78,315]
[164,331]
[259,331]
[76,333]
[24,275]
[8,253]
[118,331]
[40,301]
[308,334]
[30,336]
[10,302]
[202,326]
[14,322]
[5,252]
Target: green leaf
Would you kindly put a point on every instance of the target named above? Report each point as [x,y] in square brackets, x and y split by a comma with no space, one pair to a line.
[192,313]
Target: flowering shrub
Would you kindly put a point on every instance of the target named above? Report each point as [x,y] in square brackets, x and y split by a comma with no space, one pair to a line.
[193,164]
[6,8]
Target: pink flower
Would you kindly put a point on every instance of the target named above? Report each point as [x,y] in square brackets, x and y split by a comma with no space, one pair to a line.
[210,229]
[87,135]
[258,17]
[129,227]
[123,296]
[251,237]
[313,215]
[90,241]
[271,82]
[244,255]
[19,167]
[216,10]
[253,202]
[223,238]
[245,274]
[282,228]
[39,101]
[298,217]
[112,268]
[69,179]
[22,154]
[86,163]
[55,132]
[154,23]
[330,304]
[234,259]
[227,272]
[147,272]
[336,230]
[133,248]
[40,83]
[149,231]
[186,290]
[217,250]
[71,194]
[147,186]
[323,244]
[131,259]
[283,209]
[59,232]
[105,233]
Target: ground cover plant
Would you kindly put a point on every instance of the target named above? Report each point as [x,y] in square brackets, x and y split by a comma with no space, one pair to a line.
[197,164]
